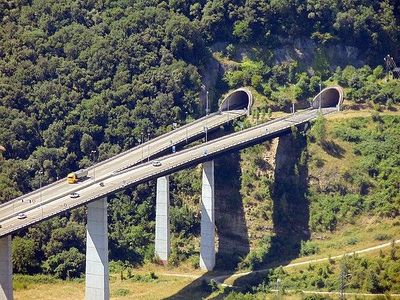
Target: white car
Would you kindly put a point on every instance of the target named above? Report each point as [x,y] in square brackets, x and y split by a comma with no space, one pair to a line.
[74,195]
[156,163]
[21,216]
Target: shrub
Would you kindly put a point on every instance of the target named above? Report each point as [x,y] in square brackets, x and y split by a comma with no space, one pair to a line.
[382,237]
[308,248]
[19,286]
[66,264]
[151,277]
[256,257]
[214,285]
[117,266]
[319,162]
[181,249]
[230,51]
[122,292]
[352,241]
[267,90]
[194,261]
[184,220]
[318,130]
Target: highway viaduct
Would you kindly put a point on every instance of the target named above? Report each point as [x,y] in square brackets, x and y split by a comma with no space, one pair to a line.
[124,170]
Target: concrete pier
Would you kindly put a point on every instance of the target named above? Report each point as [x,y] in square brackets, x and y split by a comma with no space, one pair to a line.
[97,276]
[162,243]
[207,244]
[6,291]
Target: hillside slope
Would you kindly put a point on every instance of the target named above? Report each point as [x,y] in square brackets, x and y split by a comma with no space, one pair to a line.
[82,81]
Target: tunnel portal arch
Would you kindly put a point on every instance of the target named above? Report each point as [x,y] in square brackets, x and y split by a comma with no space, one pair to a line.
[329,97]
[237,99]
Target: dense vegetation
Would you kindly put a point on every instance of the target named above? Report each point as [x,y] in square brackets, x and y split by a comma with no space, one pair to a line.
[370,185]
[82,81]
[77,78]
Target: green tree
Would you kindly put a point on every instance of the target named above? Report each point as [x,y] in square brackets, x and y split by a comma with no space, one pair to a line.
[87,144]
[67,264]
[24,256]
[318,129]
[242,31]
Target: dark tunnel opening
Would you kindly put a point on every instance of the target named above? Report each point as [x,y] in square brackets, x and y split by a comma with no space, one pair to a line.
[238,99]
[329,97]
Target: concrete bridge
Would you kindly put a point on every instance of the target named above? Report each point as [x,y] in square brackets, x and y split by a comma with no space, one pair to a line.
[123,171]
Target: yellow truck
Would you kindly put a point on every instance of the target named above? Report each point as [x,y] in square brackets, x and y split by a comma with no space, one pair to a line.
[74,177]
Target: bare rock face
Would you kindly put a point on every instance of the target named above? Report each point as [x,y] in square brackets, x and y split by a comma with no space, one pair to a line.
[306,51]
[2,149]
[209,78]
[269,157]
[303,50]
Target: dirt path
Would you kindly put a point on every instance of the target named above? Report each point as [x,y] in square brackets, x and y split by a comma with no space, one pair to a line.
[311,261]
[221,278]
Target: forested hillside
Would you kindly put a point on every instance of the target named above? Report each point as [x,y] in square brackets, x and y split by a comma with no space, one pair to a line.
[83,80]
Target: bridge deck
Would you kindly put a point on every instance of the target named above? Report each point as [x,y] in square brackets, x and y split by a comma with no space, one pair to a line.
[57,200]
[118,162]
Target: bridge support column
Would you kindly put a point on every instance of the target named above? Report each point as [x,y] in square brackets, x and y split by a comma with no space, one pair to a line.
[97,277]
[162,244]
[6,291]
[207,244]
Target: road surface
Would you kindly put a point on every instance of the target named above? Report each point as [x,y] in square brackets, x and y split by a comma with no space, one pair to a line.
[123,160]
[57,201]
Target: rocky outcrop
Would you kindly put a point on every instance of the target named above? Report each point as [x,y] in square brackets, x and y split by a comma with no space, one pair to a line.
[308,52]
[303,50]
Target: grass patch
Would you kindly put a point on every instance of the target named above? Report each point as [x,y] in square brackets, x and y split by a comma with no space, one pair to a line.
[19,286]
[161,288]
[35,279]
[151,277]
[121,292]
[350,237]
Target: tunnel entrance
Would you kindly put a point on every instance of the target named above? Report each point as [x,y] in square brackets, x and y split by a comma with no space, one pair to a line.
[329,97]
[238,99]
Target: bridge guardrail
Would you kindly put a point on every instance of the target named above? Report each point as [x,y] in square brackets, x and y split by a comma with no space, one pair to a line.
[120,155]
[173,168]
